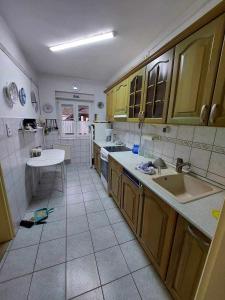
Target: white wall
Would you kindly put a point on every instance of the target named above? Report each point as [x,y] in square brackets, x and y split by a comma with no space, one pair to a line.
[14,67]
[48,84]
[197,10]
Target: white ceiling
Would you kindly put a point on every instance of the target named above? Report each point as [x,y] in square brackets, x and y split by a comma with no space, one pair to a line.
[38,24]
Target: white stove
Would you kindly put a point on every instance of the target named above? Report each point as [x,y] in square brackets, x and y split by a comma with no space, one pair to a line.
[104,153]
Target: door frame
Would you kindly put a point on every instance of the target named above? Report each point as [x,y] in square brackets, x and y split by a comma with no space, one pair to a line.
[211,285]
[6,225]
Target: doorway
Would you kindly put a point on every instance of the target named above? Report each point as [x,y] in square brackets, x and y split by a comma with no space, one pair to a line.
[75,117]
[6,225]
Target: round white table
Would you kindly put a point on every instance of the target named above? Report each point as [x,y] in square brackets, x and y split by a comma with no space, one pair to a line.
[49,157]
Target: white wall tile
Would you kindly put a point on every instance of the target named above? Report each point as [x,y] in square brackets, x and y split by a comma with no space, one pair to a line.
[220,137]
[204,135]
[185,133]
[200,158]
[169,149]
[182,152]
[217,164]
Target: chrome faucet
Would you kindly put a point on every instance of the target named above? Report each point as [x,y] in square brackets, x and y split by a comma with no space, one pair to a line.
[180,164]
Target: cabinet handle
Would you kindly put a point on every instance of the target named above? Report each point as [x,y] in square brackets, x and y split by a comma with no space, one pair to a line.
[197,237]
[213,113]
[204,114]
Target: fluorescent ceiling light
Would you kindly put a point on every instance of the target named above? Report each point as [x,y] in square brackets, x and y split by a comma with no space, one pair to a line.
[77,43]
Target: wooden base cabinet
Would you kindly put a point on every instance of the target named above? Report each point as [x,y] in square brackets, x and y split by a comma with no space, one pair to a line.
[97,160]
[114,180]
[130,201]
[188,257]
[157,223]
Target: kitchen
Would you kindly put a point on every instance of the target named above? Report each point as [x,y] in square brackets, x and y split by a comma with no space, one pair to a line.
[112,150]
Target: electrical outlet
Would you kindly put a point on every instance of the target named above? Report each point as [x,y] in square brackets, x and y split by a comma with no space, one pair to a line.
[8,130]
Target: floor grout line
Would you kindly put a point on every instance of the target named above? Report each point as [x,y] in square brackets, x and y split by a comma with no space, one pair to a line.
[99,193]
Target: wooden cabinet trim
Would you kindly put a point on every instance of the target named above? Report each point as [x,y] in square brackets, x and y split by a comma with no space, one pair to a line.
[202,21]
[187,102]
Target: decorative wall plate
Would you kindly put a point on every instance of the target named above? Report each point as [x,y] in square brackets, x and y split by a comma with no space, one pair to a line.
[13,93]
[22,96]
[6,96]
[48,108]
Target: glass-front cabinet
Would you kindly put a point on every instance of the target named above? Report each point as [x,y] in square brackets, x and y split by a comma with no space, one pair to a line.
[136,94]
[157,90]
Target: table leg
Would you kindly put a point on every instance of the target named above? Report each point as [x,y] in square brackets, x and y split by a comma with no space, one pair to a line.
[62,176]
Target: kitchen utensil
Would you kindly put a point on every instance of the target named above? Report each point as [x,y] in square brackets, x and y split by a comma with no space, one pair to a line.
[159,162]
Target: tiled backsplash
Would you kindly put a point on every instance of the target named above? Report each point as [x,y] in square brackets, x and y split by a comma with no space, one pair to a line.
[80,146]
[203,147]
[14,153]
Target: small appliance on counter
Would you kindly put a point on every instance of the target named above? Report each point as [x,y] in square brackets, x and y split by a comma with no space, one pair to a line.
[35,152]
[108,133]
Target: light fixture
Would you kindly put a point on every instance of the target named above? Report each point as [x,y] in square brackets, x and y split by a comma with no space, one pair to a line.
[75,88]
[85,41]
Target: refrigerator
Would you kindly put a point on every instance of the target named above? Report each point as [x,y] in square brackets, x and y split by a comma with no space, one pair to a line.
[97,131]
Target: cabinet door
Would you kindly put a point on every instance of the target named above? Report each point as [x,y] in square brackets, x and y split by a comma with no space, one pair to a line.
[109,105]
[187,260]
[121,99]
[130,201]
[136,90]
[157,90]
[115,173]
[156,229]
[195,67]
[217,114]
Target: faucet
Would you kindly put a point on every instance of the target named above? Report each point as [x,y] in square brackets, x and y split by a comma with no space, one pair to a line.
[180,164]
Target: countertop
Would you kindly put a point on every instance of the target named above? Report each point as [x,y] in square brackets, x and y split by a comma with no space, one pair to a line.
[197,212]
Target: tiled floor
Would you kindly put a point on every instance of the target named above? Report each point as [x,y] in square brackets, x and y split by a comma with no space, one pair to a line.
[86,251]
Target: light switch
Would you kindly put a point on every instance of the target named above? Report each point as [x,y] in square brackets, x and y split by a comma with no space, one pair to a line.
[8,130]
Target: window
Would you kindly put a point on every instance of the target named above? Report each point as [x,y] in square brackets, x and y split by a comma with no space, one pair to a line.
[75,118]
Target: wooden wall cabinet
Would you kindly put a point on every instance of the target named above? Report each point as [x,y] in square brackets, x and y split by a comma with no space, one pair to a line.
[187,260]
[195,68]
[136,94]
[121,97]
[97,159]
[217,113]
[157,222]
[157,89]
[114,180]
[110,105]
[130,201]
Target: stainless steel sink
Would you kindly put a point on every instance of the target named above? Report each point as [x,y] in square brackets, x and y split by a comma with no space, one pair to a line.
[185,188]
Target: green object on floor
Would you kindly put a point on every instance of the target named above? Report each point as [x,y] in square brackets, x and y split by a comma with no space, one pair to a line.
[216,213]
[42,214]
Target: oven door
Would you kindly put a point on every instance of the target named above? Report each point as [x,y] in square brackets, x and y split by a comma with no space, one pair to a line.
[104,172]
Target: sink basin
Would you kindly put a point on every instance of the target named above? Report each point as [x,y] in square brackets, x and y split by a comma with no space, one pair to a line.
[185,188]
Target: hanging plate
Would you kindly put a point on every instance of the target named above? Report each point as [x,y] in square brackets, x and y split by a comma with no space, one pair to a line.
[13,93]
[6,96]
[22,96]
[47,108]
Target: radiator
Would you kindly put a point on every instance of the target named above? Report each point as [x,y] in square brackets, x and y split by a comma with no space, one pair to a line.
[64,147]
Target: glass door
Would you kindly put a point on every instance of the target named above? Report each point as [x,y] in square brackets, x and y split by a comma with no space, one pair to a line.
[67,113]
